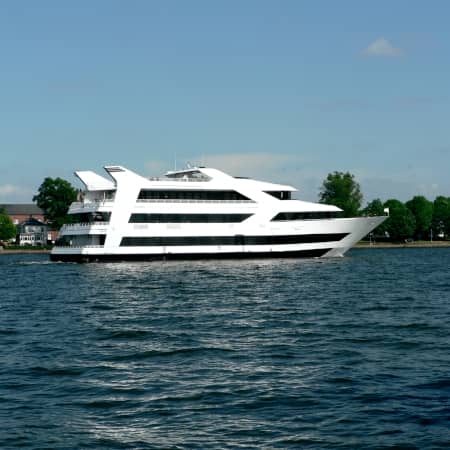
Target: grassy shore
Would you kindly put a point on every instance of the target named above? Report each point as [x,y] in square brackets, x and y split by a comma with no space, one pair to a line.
[25,250]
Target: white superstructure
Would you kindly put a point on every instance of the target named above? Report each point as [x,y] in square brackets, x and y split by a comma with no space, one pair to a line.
[199,213]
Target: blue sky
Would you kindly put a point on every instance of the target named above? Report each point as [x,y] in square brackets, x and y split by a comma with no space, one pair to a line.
[287,91]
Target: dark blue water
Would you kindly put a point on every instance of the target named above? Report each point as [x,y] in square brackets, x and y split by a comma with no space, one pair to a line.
[349,353]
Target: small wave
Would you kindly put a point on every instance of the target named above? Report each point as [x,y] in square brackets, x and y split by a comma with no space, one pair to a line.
[341,380]
[106,403]
[304,441]
[127,334]
[38,370]
[418,326]
[33,263]
[405,345]
[168,353]
[404,298]
[8,332]
[389,432]
[438,384]
[371,398]
[102,307]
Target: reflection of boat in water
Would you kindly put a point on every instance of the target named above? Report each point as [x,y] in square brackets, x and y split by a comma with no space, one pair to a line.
[199,213]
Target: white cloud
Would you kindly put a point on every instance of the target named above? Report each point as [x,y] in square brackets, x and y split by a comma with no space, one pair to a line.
[250,164]
[400,186]
[382,47]
[238,164]
[11,193]
[8,189]
[156,168]
[280,168]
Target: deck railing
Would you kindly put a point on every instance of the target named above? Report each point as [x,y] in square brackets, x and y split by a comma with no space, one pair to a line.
[90,203]
[83,225]
[180,179]
[78,246]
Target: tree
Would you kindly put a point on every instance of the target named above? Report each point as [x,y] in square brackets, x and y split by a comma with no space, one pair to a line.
[441,215]
[7,228]
[341,189]
[422,210]
[401,223]
[374,208]
[54,198]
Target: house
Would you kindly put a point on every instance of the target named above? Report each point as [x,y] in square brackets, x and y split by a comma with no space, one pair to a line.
[32,232]
[20,212]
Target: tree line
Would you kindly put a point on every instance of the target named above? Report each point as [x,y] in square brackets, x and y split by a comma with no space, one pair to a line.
[418,218]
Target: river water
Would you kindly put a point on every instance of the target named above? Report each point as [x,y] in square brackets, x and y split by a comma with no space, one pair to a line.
[349,353]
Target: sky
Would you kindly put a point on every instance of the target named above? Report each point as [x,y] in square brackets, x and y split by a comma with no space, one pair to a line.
[285,91]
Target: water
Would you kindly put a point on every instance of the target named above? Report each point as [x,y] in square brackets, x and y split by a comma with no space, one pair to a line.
[283,354]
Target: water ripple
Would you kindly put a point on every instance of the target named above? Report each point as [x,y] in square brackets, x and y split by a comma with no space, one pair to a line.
[345,353]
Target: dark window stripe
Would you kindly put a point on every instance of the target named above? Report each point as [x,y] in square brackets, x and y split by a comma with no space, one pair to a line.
[90,217]
[178,194]
[280,195]
[68,240]
[188,218]
[229,240]
[312,215]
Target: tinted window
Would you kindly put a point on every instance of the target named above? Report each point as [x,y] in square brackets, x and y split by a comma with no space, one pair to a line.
[150,194]
[188,218]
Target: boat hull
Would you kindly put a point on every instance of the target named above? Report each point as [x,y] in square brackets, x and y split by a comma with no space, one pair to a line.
[348,232]
[85,258]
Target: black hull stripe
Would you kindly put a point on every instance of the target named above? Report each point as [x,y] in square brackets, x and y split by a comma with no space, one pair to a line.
[165,241]
[190,256]
[188,218]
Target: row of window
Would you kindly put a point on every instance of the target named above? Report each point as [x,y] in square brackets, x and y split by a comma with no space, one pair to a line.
[226,218]
[152,194]
[188,218]
[90,217]
[229,240]
[307,215]
[78,240]
[218,195]
[201,218]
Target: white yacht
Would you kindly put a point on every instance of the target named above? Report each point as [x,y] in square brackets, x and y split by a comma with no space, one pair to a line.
[199,213]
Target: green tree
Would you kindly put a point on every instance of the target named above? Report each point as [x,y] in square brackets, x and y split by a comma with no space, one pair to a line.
[374,208]
[441,215]
[7,228]
[54,197]
[422,210]
[341,189]
[401,223]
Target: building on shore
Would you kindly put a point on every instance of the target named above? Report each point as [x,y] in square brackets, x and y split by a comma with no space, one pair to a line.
[30,222]
[32,232]
[20,212]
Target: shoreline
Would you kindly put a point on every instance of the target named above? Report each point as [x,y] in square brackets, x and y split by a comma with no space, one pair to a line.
[25,251]
[417,244]
[363,245]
